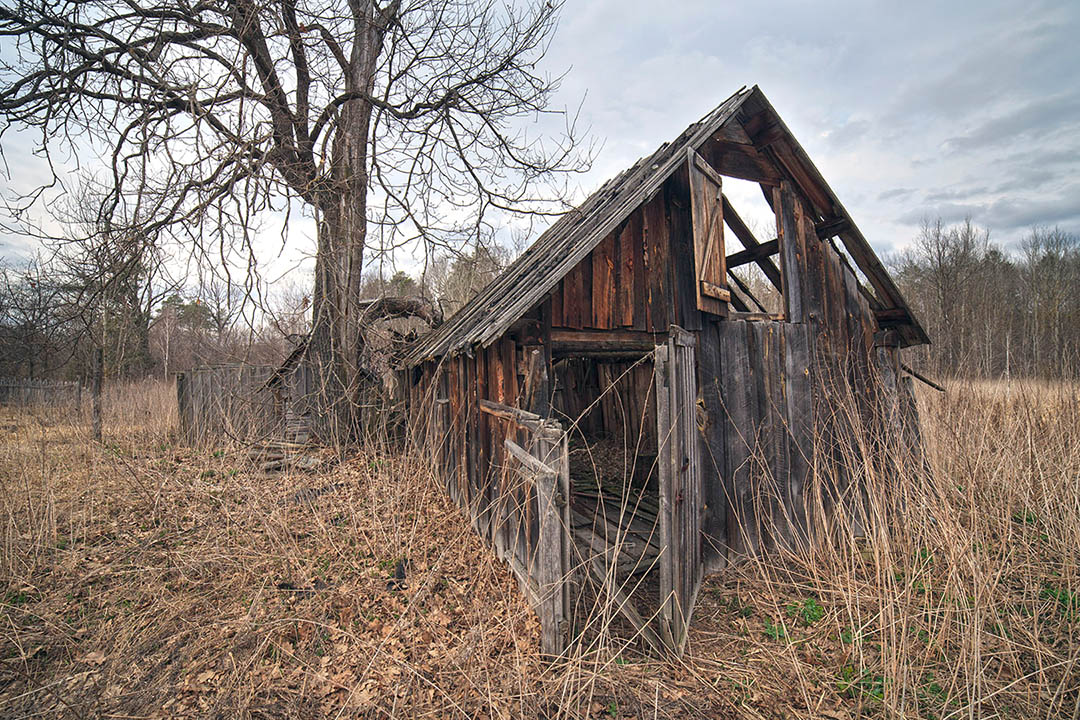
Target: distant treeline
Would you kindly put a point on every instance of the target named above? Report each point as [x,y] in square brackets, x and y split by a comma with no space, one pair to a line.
[989,312]
[56,315]
[992,313]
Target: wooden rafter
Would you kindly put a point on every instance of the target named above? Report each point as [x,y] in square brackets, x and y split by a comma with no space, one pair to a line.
[749,242]
[751,255]
[745,290]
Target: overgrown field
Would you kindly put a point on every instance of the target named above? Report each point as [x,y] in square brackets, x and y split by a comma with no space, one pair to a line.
[144,579]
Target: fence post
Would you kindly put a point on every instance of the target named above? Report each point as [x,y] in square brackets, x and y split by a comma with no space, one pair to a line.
[183,406]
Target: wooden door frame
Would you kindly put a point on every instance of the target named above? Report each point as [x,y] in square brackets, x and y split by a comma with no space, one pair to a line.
[680,484]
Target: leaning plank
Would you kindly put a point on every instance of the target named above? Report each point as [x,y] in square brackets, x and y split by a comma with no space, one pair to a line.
[921,378]
[506,412]
[625,608]
[527,460]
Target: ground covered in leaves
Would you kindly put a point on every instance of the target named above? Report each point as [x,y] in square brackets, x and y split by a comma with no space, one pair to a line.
[145,579]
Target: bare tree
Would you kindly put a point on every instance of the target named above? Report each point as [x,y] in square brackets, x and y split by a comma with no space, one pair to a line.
[455,277]
[389,121]
[34,339]
[992,313]
[1051,276]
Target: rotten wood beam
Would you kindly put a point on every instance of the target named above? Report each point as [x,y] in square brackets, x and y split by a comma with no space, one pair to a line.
[754,254]
[569,341]
[715,291]
[757,316]
[923,378]
[832,226]
[528,460]
[513,414]
[892,316]
[741,161]
[764,128]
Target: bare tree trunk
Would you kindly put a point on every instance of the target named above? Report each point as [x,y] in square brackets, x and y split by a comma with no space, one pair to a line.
[98,381]
[335,347]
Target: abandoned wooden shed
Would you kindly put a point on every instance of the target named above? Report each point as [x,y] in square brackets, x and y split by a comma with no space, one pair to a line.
[618,409]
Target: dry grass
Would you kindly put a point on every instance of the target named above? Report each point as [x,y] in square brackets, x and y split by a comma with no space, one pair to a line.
[142,579]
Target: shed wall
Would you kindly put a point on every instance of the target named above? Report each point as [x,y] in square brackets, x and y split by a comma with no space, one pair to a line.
[640,277]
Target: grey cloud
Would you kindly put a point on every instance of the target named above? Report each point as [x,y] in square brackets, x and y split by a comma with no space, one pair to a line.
[849,133]
[1020,179]
[895,194]
[1005,215]
[1011,214]
[953,194]
[1011,58]
[948,212]
[1035,119]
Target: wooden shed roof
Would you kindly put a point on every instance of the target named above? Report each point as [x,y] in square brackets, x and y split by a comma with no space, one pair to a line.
[537,271]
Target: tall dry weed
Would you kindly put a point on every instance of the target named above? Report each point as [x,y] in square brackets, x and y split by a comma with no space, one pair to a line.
[142,578]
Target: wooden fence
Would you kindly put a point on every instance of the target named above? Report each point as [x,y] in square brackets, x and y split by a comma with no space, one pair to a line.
[25,393]
[227,402]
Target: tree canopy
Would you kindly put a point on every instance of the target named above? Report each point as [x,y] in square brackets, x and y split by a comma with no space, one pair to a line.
[390,122]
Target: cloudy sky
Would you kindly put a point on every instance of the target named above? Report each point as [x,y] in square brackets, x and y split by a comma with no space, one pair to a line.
[911,110]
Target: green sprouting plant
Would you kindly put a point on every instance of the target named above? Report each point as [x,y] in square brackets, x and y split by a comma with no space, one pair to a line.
[931,688]
[809,611]
[775,632]
[744,690]
[734,605]
[613,710]
[856,682]
[1068,600]
[16,598]
[1025,517]
[847,636]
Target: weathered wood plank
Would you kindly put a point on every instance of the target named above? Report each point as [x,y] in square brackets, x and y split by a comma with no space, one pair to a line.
[636,225]
[714,492]
[603,283]
[556,305]
[585,341]
[657,263]
[662,369]
[737,383]
[754,254]
[677,196]
[508,412]
[706,202]
[624,289]
[792,253]
[574,298]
